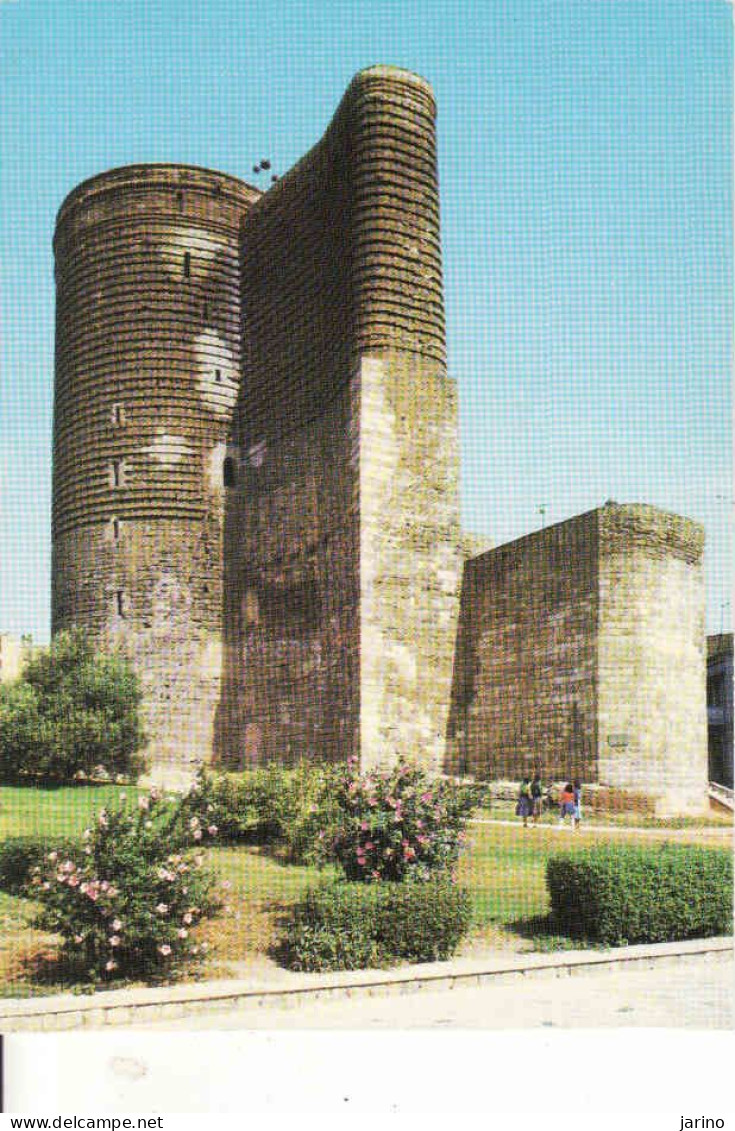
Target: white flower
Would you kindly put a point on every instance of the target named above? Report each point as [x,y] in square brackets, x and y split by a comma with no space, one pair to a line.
[182,933]
[114,940]
[116,925]
[162,908]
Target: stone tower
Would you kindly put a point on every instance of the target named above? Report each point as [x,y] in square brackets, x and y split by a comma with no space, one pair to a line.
[147,376]
[342,528]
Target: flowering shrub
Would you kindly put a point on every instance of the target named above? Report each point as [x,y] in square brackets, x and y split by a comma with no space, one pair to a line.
[127,900]
[399,824]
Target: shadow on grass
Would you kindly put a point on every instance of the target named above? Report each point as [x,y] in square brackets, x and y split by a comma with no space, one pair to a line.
[548,934]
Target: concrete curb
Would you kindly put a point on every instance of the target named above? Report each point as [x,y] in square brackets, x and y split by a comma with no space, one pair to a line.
[287,990]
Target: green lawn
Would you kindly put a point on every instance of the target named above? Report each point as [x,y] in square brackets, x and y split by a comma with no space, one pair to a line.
[66,811]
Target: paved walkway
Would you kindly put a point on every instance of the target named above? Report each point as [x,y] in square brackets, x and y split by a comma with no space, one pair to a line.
[215,1004]
[695,995]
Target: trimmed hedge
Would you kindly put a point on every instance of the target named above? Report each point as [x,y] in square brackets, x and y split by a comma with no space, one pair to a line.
[617,894]
[350,926]
[22,853]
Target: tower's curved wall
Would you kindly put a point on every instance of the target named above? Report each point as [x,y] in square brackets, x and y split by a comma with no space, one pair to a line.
[341,533]
[147,376]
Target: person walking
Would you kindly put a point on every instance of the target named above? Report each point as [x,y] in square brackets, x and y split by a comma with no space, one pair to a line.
[577,787]
[536,797]
[524,805]
[566,805]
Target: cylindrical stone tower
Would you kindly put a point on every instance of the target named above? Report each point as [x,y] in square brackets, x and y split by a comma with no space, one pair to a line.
[147,375]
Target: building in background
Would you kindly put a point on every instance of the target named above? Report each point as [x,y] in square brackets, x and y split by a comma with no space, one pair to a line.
[719,708]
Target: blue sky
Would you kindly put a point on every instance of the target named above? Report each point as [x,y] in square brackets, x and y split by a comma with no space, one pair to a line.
[585,165]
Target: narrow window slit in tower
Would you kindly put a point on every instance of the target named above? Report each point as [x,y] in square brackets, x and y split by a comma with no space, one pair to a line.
[115,530]
[116,473]
[180,201]
[118,415]
[187,264]
[218,375]
[120,602]
[228,472]
[205,310]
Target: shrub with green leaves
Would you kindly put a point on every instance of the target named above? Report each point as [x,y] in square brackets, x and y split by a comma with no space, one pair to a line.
[20,854]
[293,806]
[349,926]
[399,823]
[73,710]
[617,894]
[126,900]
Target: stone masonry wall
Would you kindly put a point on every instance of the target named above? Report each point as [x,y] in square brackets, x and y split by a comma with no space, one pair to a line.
[651,656]
[524,692]
[347,413]
[147,374]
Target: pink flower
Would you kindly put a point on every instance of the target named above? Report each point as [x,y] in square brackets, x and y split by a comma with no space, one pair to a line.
[116,925]
[86,834]
[212,830]
[226,885]
[111,965]
[369,845]
[52,856]
[114,940]
[73,881]
[162,908]
[197,834]
[364,826]
[375,875]
[104,885]
[78,939]
[165,950]
[426,797]
[205,946]
[46,886]
[182,933]
[371,802]
[143,803]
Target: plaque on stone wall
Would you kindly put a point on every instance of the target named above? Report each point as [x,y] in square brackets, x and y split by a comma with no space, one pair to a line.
[617,740]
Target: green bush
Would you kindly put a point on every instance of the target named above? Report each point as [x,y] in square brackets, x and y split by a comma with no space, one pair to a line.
[19,855]
[294,807]
[617,894]
[74,710]
[349,926]
[126,900]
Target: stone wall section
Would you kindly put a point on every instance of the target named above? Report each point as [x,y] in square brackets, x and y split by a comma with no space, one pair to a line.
[345,520]
[524,692]
[651,656]
[147,375]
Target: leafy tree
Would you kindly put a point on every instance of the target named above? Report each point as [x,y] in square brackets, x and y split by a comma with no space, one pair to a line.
[73,709]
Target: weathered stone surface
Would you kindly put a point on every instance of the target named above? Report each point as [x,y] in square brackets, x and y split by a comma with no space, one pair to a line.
[581,651]
[341,538]
[147,372]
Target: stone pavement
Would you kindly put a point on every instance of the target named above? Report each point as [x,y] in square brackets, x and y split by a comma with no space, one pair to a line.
[276,992]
